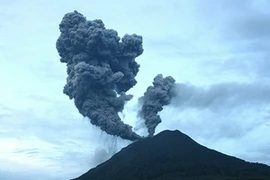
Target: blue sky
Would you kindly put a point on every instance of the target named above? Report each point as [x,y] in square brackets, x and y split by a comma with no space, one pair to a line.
[218,52]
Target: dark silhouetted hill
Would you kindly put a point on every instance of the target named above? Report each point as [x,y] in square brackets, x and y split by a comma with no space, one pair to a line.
[172,155]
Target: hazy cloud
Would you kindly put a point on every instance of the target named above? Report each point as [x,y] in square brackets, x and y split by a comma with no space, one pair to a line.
[222,96]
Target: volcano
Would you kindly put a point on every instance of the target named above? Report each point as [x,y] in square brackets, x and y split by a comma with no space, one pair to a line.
[172,155]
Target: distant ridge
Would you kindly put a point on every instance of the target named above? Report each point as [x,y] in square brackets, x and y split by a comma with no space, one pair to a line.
[172,155]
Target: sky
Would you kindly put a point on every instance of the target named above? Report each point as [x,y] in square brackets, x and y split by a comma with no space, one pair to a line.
[217,51]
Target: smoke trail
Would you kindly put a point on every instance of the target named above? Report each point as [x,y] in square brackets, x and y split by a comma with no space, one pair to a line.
[100,69]
[154,99]
[221,96]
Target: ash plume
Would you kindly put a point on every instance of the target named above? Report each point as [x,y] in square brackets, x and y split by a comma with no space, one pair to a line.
[155,97]
[101,67]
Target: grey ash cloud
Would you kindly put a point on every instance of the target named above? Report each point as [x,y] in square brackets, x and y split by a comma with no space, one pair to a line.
[222,96]
[155,97]
[101,67]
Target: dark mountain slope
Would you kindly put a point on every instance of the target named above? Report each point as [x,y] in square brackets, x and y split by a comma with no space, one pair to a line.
[172,155]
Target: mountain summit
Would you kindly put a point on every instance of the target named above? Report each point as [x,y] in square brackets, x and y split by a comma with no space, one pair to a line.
[172,155]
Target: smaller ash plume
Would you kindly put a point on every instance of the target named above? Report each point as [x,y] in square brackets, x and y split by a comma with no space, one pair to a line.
[155,97]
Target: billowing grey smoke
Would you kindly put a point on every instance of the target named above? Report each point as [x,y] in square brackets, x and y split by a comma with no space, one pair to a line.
[100,68]
[154,99]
